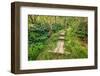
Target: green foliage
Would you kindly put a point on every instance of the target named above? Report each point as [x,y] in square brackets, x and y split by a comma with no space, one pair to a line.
[56,27]
[82,31]
[74,46]
[43,33]
[38,37]
[34,50]
[75,33]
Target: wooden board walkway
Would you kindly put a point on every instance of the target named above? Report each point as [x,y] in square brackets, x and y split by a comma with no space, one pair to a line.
[60,44]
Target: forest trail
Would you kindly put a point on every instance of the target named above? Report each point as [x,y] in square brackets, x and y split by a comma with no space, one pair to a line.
[60,44]
[56,37]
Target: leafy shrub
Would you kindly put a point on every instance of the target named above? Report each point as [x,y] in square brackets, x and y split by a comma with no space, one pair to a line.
[82,31]
[34,50]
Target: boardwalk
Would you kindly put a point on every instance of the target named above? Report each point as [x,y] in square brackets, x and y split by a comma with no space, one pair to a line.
[60,44]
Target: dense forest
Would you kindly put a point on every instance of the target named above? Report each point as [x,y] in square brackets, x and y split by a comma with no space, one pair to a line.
[44,32]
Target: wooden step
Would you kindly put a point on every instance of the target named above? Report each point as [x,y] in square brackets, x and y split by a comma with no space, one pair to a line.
[61,38]
[62,34]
